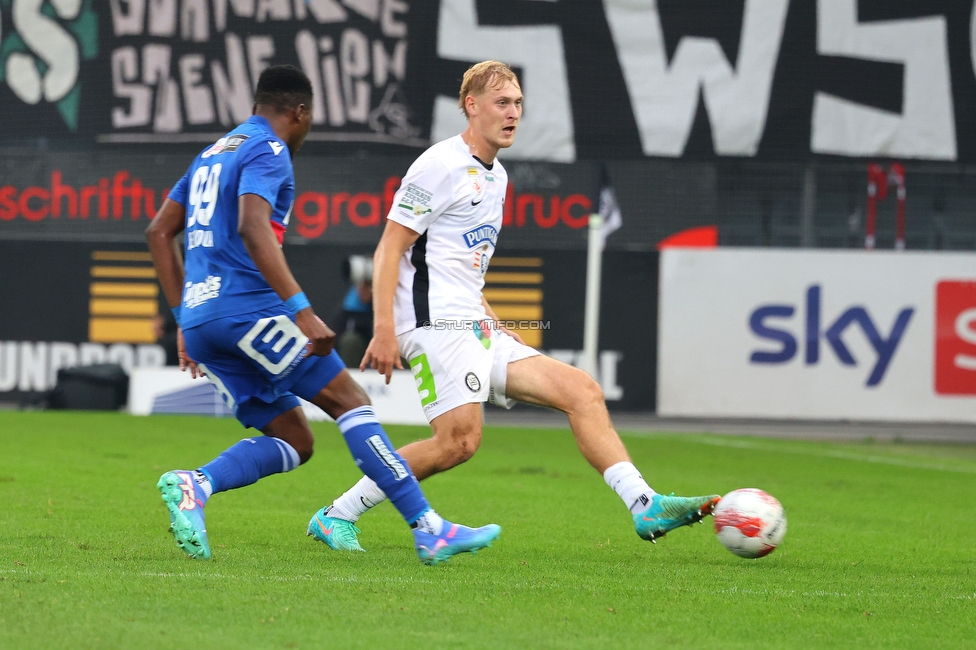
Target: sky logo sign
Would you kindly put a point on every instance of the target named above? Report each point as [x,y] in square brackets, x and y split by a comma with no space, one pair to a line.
[765,322]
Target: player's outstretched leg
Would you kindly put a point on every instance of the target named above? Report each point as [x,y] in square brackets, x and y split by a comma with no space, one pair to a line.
[665,513]
[184,499]
[542,380]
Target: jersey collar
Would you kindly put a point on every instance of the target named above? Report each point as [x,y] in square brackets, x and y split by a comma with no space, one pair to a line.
[467,148]
[260,121]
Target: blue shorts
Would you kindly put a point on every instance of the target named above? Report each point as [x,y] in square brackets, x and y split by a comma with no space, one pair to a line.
[259,363]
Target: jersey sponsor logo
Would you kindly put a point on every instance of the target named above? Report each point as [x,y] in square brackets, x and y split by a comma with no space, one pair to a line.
[276,147]
[480,235]
[416,200]
[417,210]
[227,144]
[197,293]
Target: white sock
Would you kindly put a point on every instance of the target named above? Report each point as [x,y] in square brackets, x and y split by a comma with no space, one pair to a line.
[628,483]
[203,482]
[429,522]
[357,500]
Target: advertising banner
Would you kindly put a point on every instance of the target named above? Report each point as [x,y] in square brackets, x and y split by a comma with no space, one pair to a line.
[818,335]
[70,303]
[112,197]
[615,79]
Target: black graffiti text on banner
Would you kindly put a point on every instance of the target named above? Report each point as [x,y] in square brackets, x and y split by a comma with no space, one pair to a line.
[618,79]
[189,67]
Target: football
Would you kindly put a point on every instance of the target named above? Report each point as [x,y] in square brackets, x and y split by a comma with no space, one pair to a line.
[750,522]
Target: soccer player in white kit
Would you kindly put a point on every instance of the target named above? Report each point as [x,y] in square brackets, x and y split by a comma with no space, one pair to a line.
[428,306]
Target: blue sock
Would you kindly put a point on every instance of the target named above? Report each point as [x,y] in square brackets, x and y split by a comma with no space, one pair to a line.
[249,460]
[376,457]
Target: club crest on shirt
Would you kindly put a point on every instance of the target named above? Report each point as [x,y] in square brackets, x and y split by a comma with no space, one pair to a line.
[481,258]
[480,234]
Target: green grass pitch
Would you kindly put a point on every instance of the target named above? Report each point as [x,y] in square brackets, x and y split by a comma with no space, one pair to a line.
[879,550]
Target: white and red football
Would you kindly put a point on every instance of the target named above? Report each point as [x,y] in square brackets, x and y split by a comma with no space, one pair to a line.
[749,522]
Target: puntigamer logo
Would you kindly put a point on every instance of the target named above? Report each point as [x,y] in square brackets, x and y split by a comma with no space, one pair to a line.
[481,234]
[40,59]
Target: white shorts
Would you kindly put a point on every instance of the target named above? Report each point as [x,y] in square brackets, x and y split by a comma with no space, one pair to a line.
[453,367]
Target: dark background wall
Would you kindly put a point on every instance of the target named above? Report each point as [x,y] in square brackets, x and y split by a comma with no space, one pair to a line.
[85,164]
[46,297]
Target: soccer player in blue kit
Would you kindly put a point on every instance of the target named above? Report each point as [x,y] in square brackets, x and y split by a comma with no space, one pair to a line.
[246,324]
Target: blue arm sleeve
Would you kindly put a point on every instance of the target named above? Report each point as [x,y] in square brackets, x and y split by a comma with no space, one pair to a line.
[264,171]
[178,192]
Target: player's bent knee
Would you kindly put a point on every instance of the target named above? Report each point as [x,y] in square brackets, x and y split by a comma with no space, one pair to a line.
[303,445]
[458,445]
[466,442]
[585,392]
[465,446]
[295,432]
[305,454]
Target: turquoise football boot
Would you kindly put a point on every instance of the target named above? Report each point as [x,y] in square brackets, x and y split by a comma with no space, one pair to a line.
[454,539]
[184,499]
[669,512]
[339,534]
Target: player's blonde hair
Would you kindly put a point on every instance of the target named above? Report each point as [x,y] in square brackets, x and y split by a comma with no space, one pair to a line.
[482,76]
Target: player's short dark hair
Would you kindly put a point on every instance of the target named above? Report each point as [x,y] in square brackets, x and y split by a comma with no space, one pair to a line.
[283,87]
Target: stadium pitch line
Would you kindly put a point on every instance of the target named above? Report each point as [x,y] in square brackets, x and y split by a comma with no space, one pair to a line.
[647,422]
[822,453]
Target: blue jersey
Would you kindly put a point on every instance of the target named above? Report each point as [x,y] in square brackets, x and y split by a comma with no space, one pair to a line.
[221,278]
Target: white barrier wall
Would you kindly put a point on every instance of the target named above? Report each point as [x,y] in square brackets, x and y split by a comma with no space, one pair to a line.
[817,335]
[167,390]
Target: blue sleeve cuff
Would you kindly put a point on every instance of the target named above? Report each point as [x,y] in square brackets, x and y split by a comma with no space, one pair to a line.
[176,313]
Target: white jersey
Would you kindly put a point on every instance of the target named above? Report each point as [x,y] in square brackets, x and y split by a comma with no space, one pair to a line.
[455,202]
